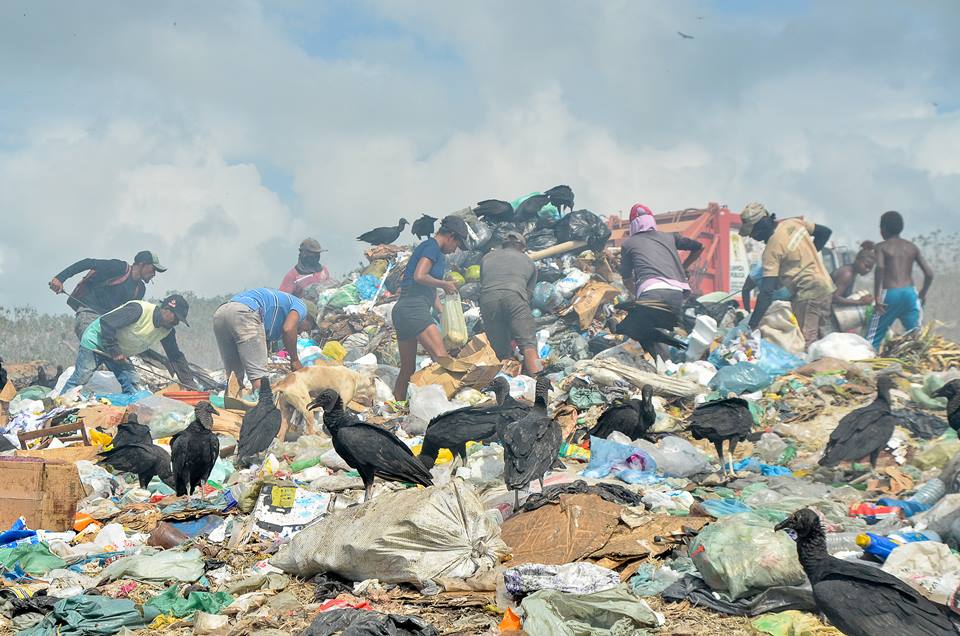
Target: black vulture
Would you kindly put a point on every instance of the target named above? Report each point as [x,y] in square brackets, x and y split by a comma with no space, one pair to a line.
[145,459]
[3,375]
[864,431]
[260,426]
[370,450]
[495,210]
[195,450]
[423,226]
[649,323]
[132,432]
[720,420]
[561,196]
[531,445]
[530,207]
[453,429]
[632,417]
[950,390]
[383,235]
[858,599]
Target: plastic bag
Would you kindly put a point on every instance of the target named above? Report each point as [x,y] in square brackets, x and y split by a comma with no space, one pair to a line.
[471,291]
[611,457]
[719,554]
[157,566]
[367,286]
[541,239]
[793,623]
[844,346]
[676,457]
[89,615]
[483,233]
[409,536]
[583,225]
[164,417]
[453,326]
[170,602]
[574,280]
[780,327]
[573,578]
[427,402]
[333,350]
[929,567]
[615,611]
[742,377]
[345,295]
[776,361]
[546,297]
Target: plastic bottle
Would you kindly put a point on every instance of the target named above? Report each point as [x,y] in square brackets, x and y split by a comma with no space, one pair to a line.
[842,542]
[881,546]
[704,332]
[929,493]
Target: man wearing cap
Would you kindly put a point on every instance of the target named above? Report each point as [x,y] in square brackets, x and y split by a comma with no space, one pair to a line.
[130,330]
[791,259]
[107,284]
[422,277]
[307,271]
[507,279]
[248,322]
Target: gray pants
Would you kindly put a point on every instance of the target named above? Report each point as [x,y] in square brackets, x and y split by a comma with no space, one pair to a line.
[507,316]
[241,340]
[82,320]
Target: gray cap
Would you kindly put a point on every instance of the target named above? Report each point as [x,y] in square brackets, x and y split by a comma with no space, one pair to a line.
[457,227]
[311,245]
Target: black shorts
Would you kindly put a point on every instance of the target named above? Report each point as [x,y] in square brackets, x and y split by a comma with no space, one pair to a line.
[411,315]
[506,315]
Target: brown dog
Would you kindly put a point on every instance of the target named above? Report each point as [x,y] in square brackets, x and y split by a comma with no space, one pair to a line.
[297,390]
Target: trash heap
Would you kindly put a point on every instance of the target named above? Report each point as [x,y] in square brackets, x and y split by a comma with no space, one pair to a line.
[630,536]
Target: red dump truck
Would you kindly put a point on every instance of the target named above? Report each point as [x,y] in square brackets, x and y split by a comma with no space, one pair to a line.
[727,257]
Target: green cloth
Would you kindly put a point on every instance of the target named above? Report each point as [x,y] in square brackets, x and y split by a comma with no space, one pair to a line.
[583,398]
[32,558]
[170,602]
[89,616]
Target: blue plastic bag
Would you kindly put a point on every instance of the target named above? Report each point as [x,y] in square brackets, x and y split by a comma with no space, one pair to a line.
[123,399]
[367,286]
[754,465]
[776,361]
[742,377]
[605,456]
[546,297]
[724,507]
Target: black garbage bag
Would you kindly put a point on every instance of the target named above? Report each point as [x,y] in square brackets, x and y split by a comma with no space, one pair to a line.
[328,585]
[541,239]
[525,227]
[392,282]
[920,424]
[484,233]
[601,342]
[473,257]
[549,272]
[614,493]
[530,208]
[494,210]
[470,291]
[773,599]
[583,225]
[354,622]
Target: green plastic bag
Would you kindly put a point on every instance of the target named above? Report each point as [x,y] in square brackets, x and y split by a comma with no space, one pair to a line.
[32,558]
[346,295]
[170,602]
[607,613]
[90,616]
[793,623]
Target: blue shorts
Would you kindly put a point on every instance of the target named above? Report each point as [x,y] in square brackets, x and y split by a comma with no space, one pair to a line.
[902,304]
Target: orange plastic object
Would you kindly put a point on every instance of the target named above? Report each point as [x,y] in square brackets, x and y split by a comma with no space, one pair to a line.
[81,521]
[510,622]
[189,397]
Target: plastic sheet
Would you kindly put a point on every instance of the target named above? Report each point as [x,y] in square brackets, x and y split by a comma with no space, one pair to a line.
[773,599]
[725,566]
[362,623]
[929,567]
[164,417]
[170,602]
[616,611]
[573,578]
[89,616]
[186,566]
[793,623]
[30,558]
[776,361]
[742,377]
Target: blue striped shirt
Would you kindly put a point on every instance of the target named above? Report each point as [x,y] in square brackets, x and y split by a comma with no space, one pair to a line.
[273,307]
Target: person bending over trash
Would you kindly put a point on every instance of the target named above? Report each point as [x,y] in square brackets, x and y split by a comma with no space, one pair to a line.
[650,262]
[246,324]
[507,279]
[845,278]
[421,279]
[791,259]
[307,271]
[107,284]
[130,330]
[897,298]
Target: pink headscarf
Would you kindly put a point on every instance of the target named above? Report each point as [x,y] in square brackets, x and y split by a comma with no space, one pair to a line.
[641,219]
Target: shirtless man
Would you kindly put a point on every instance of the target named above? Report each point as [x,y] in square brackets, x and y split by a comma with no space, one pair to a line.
[897,298]
[845,277]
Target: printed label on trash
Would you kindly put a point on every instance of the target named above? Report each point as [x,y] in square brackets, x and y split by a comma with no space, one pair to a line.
[282,497]
[282,511]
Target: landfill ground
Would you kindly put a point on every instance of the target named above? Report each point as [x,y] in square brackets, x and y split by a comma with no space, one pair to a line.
[630,536]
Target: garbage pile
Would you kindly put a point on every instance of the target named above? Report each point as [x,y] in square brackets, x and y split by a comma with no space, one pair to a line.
[637,527]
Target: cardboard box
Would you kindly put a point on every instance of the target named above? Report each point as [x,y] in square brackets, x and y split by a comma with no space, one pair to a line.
[45,493]
[474,367]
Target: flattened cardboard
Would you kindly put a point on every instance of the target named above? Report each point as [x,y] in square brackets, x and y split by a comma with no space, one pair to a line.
[45,493]
[475,367]
[588,301]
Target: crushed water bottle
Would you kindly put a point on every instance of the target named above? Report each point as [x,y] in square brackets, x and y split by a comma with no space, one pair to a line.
[842,542]
[930,493]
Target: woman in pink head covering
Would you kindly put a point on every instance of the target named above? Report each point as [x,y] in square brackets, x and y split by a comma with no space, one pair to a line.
[641,219]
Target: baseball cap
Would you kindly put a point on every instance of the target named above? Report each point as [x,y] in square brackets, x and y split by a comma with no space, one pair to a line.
[178,305]
[456,226]
[311,245]
[638,210]
[749,217]
[514,237]
[146,257]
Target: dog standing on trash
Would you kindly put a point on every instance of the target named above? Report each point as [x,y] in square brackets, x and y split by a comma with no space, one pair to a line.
[297,390]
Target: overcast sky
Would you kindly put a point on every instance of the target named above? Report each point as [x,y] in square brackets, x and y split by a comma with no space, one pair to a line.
[219,134]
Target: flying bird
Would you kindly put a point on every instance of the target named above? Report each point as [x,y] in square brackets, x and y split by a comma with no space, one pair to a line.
[453,429]
[561,196]
[864,431]
[370,450]
[860,600]
[260,426]
[632,417]
[531,444]
[650,323]
[423,226]
[950,390]
[195,450]
[727,420]
[383,235]
[684,35]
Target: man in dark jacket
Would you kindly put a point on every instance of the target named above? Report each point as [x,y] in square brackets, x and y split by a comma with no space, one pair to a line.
[107,284]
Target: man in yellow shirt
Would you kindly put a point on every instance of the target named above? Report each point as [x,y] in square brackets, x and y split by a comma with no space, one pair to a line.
[791,259]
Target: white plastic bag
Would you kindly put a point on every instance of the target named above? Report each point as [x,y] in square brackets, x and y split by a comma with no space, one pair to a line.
[780,327]
[929,567]
[844,346]
[453,325]
[574,280]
